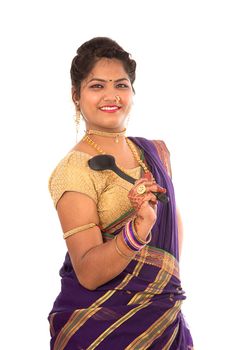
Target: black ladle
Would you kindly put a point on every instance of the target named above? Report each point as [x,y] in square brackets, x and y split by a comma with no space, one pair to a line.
[107,162]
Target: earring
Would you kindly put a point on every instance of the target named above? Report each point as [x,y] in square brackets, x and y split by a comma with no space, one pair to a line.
[127,121]
[77,119]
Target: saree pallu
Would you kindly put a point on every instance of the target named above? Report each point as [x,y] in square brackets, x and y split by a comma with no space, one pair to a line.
[141,307]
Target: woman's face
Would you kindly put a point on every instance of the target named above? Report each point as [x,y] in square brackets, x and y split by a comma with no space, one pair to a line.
[106,96]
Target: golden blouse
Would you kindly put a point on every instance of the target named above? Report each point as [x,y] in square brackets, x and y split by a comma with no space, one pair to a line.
[107,189]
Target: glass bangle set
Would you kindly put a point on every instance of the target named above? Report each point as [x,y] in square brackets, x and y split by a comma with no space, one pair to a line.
[132,239]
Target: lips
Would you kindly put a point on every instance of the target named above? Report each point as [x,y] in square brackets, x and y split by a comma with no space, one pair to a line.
[110,108]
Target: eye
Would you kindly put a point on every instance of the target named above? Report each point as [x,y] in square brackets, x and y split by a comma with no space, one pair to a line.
[122,86]
[96,86]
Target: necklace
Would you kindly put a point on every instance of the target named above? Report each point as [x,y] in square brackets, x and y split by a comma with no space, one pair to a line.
[131,145]
[107,134]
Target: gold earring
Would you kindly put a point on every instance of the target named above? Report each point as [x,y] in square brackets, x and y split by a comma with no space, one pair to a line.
[77,119]
[127,121]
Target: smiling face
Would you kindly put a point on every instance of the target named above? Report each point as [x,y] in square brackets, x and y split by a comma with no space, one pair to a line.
[106,96]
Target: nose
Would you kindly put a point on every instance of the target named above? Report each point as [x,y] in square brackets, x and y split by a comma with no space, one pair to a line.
[110,95]
[112,98]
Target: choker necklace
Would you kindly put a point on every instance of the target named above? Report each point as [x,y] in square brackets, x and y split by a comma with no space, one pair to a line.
[116,135]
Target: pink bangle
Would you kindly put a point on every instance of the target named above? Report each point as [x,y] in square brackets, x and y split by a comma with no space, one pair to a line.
[140,240]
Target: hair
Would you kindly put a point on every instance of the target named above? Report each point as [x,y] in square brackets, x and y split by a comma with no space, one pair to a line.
[89,53]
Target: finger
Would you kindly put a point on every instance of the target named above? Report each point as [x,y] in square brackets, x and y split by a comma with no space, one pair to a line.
[155,188]
[149,197]
[161,189]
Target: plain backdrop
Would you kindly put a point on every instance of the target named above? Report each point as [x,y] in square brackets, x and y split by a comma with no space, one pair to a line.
[184,96]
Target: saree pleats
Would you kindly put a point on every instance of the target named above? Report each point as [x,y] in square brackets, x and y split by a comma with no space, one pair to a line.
[141,307]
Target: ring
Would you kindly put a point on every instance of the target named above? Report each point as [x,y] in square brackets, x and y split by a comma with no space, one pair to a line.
[141,189]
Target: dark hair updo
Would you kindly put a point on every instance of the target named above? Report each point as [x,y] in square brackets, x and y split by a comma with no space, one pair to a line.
[92,51]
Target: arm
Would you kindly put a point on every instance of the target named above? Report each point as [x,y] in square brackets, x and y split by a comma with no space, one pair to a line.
[94,262]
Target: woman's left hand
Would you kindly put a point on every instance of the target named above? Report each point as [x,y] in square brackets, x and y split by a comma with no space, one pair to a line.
[142,198]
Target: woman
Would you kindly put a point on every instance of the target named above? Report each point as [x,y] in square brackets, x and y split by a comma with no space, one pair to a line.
[120,279]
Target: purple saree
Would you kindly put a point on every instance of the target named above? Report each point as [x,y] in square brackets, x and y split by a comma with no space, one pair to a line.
[141,307]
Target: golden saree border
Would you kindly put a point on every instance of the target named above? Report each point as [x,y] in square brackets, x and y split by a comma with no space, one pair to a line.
[145,339]
[51,321]
[79,317]
[156,287]
[172,338]
[115,325]
[154,256]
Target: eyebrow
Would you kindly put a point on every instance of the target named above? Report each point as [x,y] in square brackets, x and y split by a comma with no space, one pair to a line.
[105,81]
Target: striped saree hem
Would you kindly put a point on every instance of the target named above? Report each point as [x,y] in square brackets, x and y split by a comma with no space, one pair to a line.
[155,257]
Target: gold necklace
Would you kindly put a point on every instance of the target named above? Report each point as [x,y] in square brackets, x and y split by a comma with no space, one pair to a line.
[116,135]
[87,139]
[136,155]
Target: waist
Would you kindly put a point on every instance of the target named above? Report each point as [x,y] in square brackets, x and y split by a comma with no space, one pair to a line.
[152,276]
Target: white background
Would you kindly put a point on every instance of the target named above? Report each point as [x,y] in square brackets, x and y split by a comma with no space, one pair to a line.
[184,95]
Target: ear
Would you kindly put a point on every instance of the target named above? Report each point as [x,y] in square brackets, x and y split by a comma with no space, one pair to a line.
[74,95]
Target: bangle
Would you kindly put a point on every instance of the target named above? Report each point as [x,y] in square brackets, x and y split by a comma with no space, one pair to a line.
[140,240]
[78,229]
[129,238]
[125,256]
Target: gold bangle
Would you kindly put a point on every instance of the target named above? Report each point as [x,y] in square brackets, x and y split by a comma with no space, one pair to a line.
[137,236]
[77,229]
[125,256]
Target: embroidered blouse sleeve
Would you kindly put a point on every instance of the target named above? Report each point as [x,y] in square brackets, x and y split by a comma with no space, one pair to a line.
[68,176]
[164,155]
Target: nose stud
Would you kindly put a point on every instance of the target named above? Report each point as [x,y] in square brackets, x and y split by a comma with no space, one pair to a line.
[117,98]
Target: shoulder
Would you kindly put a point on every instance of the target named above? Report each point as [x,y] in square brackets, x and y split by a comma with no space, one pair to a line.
[73,174]
[73,161]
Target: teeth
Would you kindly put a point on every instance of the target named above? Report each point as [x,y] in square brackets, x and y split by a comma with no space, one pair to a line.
[108,108]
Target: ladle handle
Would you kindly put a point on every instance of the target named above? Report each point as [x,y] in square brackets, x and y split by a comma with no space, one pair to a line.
[122,174]
[162,197]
